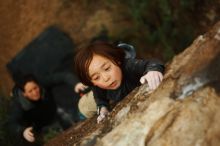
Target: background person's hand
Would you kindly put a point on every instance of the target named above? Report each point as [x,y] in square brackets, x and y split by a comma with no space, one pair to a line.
[102,114]
[28,134]
[80,87]
[153,78]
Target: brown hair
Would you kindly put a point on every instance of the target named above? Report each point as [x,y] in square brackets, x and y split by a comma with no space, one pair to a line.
[24,80]
[84,57]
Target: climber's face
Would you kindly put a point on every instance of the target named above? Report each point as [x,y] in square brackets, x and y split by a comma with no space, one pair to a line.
[32,91]
[104,73]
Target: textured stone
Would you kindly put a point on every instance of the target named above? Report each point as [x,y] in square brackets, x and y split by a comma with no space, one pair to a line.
[183,111]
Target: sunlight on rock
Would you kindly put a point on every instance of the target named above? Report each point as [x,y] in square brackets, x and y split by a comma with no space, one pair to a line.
[121,114]
[193,86]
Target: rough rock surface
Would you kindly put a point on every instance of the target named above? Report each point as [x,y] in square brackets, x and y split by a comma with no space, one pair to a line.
[183,111]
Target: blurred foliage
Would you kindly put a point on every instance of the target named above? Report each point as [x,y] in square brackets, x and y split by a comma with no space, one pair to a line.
[166,26]
[160,28]
[160,21]
[5,140]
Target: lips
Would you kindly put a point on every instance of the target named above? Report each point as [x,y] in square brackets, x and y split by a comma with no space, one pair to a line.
[113,84]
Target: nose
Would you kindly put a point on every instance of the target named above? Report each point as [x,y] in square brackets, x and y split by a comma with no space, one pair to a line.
[106,77]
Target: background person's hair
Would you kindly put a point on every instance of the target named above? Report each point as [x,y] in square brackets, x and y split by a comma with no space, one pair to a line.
[84,57]
[24,80]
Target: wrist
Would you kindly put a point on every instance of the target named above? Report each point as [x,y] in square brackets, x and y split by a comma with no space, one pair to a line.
[102,110]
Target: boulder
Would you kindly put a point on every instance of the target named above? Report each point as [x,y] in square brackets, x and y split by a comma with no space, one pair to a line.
[183,111]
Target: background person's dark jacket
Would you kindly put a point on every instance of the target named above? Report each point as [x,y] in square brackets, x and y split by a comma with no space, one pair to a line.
[132,71]
[25,113]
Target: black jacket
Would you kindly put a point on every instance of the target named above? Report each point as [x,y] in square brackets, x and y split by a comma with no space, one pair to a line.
[132,70]
[24,113]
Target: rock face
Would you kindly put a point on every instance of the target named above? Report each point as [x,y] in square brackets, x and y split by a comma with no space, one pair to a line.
[183,111]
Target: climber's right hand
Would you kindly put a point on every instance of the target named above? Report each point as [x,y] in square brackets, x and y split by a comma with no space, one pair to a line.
[153,78]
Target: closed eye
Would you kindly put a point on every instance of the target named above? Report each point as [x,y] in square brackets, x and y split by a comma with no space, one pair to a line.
[108,68]
[95,78]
